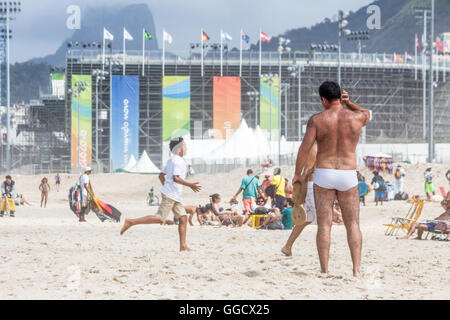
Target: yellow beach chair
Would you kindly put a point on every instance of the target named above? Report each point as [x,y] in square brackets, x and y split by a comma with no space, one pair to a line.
[399,223]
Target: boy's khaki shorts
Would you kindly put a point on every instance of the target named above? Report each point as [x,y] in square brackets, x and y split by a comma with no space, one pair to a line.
[168,205]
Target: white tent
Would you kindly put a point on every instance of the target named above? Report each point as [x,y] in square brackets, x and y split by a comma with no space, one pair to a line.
[131,164]
[145,165]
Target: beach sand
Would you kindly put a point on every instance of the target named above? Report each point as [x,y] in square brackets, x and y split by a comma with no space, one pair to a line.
[47,254]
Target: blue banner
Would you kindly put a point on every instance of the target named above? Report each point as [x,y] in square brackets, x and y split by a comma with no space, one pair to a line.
[124,120]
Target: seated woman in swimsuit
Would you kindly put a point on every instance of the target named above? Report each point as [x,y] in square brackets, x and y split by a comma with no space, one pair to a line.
[224,216]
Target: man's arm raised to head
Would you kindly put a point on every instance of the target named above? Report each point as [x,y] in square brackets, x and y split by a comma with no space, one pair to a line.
[305,148]
[366,115]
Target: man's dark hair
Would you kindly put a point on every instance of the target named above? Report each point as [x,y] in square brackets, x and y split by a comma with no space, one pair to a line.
[330,90]
[8,177]
[249,171]
[290,202]
[174,142]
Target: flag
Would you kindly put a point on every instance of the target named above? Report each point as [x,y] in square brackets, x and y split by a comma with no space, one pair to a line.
[439,44]
[147,35]
[205,37]
[226,37]
[265,37]
[417,42]
[408,57]
[398,58]
[245,37]
[424,41]
[126,35]
[107,35]
[167,37]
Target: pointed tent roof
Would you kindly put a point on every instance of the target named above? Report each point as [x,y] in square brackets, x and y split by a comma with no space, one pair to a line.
[145,165]
[131,164]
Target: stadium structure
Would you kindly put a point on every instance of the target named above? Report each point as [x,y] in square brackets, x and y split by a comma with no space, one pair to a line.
[392,90]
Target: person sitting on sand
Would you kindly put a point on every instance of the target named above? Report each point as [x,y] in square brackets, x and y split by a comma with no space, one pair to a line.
[44,187]
[337,214]
[225,217]
[288,189]
[430,226]
[280,220]
[172,178]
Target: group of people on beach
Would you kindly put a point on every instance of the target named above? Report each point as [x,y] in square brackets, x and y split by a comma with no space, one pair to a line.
[328,149]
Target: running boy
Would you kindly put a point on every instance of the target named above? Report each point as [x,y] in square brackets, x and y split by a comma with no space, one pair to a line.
[172,178]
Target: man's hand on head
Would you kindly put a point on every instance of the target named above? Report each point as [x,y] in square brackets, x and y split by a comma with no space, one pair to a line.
[345,99]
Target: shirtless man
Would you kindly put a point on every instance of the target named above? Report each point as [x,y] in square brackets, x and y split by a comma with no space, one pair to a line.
[310,207]
[336,131]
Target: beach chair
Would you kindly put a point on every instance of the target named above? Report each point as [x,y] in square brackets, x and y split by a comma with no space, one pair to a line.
[400,223]
[439,235]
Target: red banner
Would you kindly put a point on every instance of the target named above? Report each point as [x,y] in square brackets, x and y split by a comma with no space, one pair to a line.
[227,106]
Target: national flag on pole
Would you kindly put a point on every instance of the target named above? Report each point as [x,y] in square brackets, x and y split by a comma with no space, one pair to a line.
[398,58]
[265,37]
[107,35]
[226,37]
[408,57]
[147,35]
[439,44]
[167,37]
[245,37]
[126,35]
[205,37]
[417,42]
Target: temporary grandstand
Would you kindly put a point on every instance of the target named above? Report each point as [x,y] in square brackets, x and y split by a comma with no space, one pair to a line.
[392,90]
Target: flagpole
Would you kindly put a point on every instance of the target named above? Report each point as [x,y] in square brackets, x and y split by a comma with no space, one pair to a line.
[260,54]
[143,52]
[164,53]
[240,56]
[415,58]
[103,57]
[124,62]
[221,53]
[201,48]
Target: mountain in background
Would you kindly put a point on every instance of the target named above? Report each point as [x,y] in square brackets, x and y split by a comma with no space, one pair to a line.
[397,34]
[133,17]
[399,27]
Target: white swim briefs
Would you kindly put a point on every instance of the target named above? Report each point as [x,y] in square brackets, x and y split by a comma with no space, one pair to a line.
[341,180]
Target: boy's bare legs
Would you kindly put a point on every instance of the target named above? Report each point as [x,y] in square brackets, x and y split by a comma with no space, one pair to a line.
[324,199]
[287,249]
[182,228]
[349,203]
[144,220]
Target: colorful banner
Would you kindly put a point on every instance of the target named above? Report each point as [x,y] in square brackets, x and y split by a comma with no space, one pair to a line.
[227,106]
[58,84]
[124,120]
[176,108]
[269,97]
[82,111]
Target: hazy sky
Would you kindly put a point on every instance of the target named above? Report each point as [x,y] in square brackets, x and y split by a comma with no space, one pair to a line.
[41,27]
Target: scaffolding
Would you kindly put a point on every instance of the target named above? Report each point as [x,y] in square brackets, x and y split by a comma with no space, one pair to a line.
[391,90]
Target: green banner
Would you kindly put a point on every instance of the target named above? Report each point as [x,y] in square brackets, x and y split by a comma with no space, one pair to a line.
[269,105]
[81,120]
[176,108]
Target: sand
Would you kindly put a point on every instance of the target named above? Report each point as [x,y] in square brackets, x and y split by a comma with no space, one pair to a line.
[47,254]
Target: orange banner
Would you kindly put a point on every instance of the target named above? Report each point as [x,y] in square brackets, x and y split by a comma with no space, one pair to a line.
[227,106]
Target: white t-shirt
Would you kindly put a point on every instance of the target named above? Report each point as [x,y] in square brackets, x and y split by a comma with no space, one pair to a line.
[84,180]
[176,166]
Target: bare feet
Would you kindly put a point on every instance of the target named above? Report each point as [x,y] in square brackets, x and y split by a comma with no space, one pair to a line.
[185,248]
[287,252]
[127,224]
[417,238]
[356,273]
[403,238]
